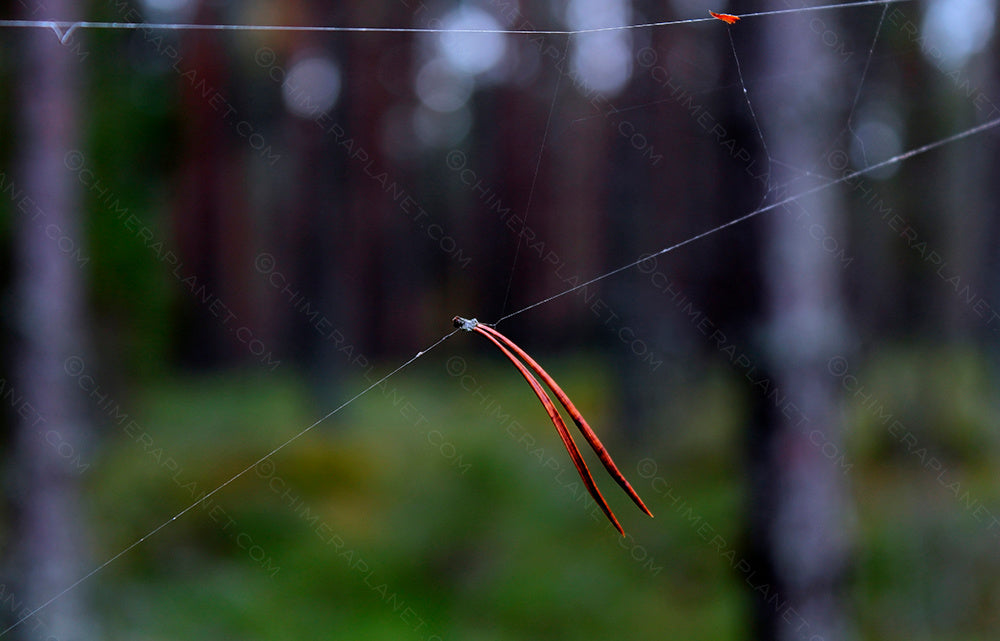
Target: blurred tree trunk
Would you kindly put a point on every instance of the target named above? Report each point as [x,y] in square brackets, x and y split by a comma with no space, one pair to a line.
[992,257]
[48,540]
[962,185]
[798,519]
[209,220]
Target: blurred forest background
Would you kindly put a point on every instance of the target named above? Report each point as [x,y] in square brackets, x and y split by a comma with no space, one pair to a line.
[211,240]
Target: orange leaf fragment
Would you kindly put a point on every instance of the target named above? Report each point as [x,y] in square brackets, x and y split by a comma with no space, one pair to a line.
[725,17]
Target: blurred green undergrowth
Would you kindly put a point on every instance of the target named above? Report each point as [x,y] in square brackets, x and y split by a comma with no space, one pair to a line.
[422,509]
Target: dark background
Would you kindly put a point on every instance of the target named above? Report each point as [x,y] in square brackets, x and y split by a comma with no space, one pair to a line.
[214,239]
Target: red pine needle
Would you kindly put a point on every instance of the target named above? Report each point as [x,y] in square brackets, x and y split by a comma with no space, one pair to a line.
[577,417]
[506,346]
[728,18]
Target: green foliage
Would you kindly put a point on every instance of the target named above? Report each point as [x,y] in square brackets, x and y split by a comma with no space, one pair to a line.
[426,508]
[922,432]
[415,511]
[131,290]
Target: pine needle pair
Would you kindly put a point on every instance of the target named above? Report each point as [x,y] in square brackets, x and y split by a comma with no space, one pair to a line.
[509,349]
